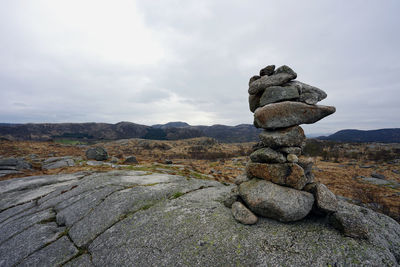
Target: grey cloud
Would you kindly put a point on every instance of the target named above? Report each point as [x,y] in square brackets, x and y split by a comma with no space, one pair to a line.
[348,49]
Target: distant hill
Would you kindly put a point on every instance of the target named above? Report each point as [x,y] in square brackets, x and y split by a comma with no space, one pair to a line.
[382,136]
[125,130]
[173,124]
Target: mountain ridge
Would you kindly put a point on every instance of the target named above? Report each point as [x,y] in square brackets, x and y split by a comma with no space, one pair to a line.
[126,130]
[386,135]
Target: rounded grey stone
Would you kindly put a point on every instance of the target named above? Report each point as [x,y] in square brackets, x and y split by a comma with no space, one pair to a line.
[274,201]
[243,214]
[131,160]
[97,153]
[325,200]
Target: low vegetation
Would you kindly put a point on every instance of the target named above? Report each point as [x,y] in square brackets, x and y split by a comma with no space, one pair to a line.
[340,166]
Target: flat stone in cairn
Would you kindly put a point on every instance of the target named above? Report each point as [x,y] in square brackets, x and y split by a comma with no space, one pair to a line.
[286,114]
[291,150]
[254,102]
[287,174]
[287,137]
[307,93]
[275,94]
[267,155]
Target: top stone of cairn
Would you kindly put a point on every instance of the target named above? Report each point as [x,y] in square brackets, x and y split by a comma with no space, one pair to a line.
[279,101]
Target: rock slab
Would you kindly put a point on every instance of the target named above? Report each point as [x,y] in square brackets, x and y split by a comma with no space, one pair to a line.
[188,226]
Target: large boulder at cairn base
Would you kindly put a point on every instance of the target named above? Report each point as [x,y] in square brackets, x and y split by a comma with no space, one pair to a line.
[288,174]
[281,76]
[288,137]
[135,218]
[286,114]
[274,201]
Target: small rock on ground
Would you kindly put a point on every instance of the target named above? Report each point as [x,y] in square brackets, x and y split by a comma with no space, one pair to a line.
[243,214]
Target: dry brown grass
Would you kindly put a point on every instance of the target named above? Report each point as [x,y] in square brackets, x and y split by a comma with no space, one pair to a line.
[222,162]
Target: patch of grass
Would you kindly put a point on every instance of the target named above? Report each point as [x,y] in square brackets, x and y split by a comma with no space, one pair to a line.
[146,207]
[176,195]
[69,142]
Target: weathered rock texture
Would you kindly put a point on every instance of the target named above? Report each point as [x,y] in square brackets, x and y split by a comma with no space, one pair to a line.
[288,174]
[286,114]
[133,218]
[277,202]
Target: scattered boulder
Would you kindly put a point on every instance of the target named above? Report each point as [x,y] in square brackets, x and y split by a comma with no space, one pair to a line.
[286,114]
[351,224]
[325,200]
[168,161]
[287,174]
[274,201]
[268,70]
[114,159]
[378,175]
[58,162]
[14,164]
[94,163]
[97,153]
[267,155]
[131,160]
[287,137]
[243,214]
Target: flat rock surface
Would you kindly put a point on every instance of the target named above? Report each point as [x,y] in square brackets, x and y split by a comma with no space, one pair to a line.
[133,218]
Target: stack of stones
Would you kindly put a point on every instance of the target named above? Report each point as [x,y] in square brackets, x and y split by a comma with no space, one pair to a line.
[279,182]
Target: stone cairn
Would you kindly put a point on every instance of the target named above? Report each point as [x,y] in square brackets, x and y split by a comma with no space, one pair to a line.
[278,182]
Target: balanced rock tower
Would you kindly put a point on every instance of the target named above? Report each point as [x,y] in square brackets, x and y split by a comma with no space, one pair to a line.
[279,182]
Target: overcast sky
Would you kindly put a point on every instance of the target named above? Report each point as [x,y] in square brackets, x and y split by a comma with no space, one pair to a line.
[153,62]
